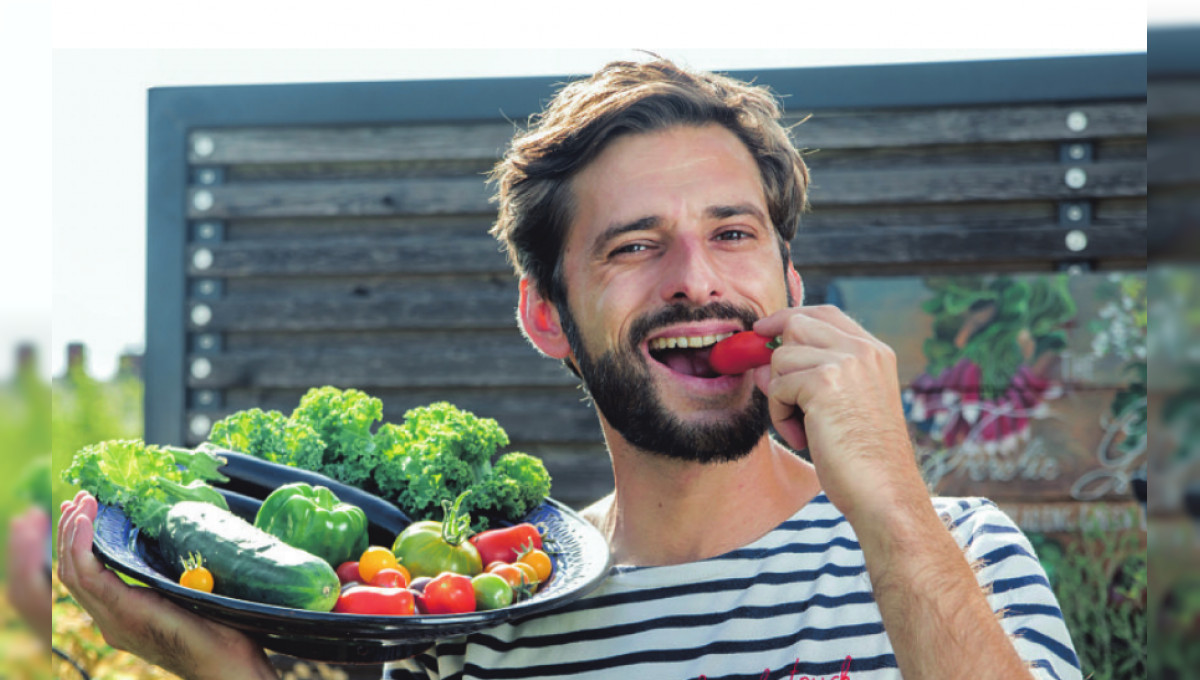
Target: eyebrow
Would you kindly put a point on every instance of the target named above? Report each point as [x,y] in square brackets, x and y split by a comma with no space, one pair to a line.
[715,212]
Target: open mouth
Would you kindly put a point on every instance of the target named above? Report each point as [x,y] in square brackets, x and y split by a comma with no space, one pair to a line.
[687,354]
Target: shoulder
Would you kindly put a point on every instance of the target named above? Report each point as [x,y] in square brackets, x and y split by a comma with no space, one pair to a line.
[984,531]
[970,512]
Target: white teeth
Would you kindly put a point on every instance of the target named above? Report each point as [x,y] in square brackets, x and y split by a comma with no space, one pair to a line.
[695,341]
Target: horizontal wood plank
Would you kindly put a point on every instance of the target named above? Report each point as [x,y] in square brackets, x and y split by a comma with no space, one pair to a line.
[446,365]
[352,287]
[426,253]
[820,161]
[965,216]
[300,228]
[917,246]
[351,198]
[351,144]
[969,183]
[361,170]
[827,130]
[849,129]
[430,306]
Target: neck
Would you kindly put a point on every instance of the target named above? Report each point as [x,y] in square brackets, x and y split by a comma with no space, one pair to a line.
[666,511]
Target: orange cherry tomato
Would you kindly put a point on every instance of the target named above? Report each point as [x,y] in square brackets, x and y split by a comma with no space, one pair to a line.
[195,575]
[540,562]
[511,573]
[373,559]
[198,578]
[531,576]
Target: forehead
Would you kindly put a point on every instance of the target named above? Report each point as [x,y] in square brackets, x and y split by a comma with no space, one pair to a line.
[649,174]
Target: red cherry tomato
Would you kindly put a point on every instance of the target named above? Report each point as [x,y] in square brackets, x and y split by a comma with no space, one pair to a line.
[347,572]
[396,577]
[449,593]
[506,543]
[375,601]
[741,352]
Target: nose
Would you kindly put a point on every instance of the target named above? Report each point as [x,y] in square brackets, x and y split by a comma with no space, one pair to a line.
[689,274]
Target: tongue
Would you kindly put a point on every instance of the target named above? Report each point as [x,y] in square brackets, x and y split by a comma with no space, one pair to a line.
[693,362]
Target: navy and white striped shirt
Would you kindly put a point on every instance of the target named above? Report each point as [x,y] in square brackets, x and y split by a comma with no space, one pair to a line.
[796,603]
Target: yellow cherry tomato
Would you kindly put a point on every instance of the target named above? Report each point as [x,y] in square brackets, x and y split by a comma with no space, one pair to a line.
[540,562]
[195,575]
[373,559]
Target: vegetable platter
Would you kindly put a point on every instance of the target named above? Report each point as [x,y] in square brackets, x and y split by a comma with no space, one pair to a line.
[580,562]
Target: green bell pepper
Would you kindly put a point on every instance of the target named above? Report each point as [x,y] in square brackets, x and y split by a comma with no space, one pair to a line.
[313,519]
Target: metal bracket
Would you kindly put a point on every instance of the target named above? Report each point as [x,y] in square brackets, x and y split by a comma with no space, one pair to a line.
[207,231]
[202,290]
[205,399]
[1075,214]
[206,175]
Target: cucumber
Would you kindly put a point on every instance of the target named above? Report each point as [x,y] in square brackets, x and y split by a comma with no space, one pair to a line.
[247,562]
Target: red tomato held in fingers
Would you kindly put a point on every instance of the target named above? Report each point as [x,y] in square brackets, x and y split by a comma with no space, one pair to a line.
[506,543]
[449,593]
[741,352]
[375,601]
[347,572]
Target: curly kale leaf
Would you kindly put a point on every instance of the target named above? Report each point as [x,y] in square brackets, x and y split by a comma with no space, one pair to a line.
[144,480]
[518,484]
[440,451]
[436,454]
[272,436]
[343,419]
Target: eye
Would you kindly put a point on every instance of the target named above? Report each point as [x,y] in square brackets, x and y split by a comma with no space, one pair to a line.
[629,248]
[734,234]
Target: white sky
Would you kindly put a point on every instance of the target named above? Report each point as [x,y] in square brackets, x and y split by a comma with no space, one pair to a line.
[75,74]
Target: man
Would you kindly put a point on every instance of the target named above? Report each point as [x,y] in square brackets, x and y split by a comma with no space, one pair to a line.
[648,212]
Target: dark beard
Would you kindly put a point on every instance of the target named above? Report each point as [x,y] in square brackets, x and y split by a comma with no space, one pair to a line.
[620,383]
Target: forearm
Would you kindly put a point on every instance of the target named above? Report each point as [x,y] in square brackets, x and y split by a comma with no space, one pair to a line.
[938,619]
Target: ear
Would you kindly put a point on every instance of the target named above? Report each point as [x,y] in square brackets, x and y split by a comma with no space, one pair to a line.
[795,285]
[540,322]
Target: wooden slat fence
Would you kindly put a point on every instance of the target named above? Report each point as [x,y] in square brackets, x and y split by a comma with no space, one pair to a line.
[356,254]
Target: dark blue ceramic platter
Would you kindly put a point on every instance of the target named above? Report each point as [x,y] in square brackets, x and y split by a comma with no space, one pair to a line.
[580,564]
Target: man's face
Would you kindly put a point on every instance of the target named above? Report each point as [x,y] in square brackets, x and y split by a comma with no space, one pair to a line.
[671,246]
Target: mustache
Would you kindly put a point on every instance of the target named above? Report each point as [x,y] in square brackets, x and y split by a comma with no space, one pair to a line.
[643,326]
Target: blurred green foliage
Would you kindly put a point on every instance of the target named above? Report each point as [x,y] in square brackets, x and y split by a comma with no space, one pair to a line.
[1101,583]
[87,411]
[24,447]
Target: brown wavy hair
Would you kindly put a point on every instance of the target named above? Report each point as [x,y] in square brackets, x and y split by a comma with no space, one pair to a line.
[534,177]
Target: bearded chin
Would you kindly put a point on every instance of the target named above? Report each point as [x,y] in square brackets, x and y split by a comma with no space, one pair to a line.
[623,391]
